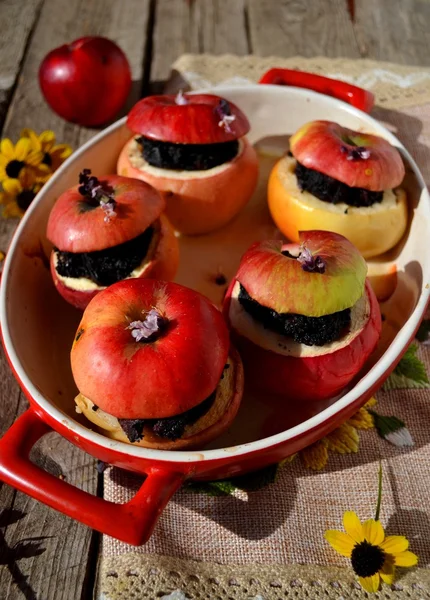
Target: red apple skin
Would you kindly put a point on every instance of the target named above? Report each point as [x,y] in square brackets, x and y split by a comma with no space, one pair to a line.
[163,266]
[323,146]
[309,379]
[171,375]
[86,82]
[280,283]
[138,206]
[196,122]
[200,205]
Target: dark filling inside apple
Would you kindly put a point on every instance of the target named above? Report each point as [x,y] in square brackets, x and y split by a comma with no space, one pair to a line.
[187,157]
[170,428]
[331,190]
[311,331]
[108,266]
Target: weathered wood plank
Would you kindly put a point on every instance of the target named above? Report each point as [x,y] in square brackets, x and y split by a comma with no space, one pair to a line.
[394,30]
[212,26]
[60,573]
[17,18]
[301,28]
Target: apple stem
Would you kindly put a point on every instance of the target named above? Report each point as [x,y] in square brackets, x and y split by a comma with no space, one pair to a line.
[180,99]
[150,328]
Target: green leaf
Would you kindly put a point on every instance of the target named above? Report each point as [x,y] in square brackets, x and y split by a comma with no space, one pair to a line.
[385,425]
[423,333]
[250,482]
[409,373]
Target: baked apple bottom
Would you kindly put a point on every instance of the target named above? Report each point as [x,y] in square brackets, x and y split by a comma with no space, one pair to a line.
[275,363]
[372,229]
[220,413]
[160,262]
[197,201]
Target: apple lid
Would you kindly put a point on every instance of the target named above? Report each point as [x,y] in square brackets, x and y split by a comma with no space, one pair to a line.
[148,349]
[355,158]
[102,213]
[188,119]
[322,275]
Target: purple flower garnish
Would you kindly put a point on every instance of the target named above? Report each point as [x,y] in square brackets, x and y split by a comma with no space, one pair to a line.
[97,192]
[148,329]
[309,262]
[355,153]
[223,111]
[180,99]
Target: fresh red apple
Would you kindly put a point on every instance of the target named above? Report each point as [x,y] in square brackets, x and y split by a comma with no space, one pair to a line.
[358,159]
[176,370]
[86,82]
[188,119]
[79,223]
[281,283]
[313,280]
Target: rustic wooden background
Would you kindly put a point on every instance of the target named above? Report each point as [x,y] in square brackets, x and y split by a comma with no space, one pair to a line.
[45,555]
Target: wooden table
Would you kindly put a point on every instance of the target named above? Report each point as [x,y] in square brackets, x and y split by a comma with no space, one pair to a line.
[43,554]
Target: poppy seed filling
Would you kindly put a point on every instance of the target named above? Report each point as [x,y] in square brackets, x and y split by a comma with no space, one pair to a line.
[331,190]
[171,428]
[311,331]
[187,157]
[108,266]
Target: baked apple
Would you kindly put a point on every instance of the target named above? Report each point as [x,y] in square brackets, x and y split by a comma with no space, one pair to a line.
[107,230]
[303,316]
[340,180]
[154,366]
[193,149]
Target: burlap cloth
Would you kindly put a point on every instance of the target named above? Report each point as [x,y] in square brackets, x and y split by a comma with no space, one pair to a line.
[269,544]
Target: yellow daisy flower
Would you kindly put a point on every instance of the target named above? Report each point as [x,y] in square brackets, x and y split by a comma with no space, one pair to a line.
[16,161]
[18,194]
[53,155]
[373,555]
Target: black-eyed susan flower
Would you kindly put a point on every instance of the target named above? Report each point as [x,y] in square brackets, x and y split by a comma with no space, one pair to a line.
[53,155]
[373,555]
[16,161]
[18,194]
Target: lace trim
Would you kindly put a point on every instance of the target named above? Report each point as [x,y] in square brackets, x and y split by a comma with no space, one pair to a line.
[148,577]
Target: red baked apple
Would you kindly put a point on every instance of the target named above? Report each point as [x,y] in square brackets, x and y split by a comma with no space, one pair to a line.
[86,82]
[304,318]
[193,149]
[343,181]
[106,230]
[153,364]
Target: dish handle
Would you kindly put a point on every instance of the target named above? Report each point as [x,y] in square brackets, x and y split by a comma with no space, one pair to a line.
[131,522]
[352,94]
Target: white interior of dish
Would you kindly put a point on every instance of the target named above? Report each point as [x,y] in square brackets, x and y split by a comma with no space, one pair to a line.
[38,326]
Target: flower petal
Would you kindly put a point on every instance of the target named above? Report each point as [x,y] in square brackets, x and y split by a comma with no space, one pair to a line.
[370,584]
[353,526]
[340,541]
[373,532]
[47,139]
[315,456]
[34,158]
[394,544]
[344,439]
[12,186]
[362,419]
[22,148]
[405,559]
[387,570]
[7,148]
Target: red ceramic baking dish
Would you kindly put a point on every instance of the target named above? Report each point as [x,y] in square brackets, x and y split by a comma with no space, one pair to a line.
[38,328]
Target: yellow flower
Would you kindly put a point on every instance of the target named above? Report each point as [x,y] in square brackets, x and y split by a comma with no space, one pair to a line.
[17,161]
[18,194]
[373,555]
[53,155]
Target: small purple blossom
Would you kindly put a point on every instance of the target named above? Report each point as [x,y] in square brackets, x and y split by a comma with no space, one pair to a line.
[223,111]
[309,262]
[147,330]
[356,152]
[98,193]
[180,99]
